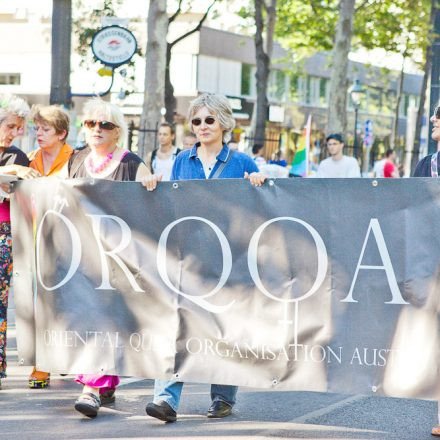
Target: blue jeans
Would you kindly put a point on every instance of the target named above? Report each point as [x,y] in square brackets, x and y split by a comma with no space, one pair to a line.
[169,391]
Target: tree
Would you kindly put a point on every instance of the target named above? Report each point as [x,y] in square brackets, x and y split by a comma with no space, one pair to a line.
[170,100]
[61,42]
[265,16]
[154,91]
[404,27]
[426,72]
[337,115]
[399,26]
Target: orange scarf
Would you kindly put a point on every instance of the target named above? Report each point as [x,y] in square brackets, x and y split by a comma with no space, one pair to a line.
[63,156]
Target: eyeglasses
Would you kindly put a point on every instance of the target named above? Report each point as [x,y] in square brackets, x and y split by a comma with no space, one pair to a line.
[209,120]
[103,125]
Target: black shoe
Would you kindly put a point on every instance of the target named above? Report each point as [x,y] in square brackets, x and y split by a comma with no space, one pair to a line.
[219,409]
[88,404]
[161,411]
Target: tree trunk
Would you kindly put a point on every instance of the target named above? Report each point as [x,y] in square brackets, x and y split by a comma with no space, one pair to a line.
[61,43]
[170,100]
[263,65]
[154,91]
[337,109]
[421,111]
[395,129]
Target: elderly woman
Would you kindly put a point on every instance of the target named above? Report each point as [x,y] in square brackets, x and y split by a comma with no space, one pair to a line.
[211,120]
[52,127]
[103,158]
[13,113]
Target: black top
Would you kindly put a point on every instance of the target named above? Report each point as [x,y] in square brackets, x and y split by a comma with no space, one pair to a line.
[125,171]
[423,168]
[12,155]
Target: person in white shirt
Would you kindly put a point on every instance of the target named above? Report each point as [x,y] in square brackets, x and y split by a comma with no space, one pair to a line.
[338,165]
[257,155]
[160,161]
[378,167]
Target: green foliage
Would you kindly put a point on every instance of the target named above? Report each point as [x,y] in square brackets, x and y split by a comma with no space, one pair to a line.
[400,26]
[306,26]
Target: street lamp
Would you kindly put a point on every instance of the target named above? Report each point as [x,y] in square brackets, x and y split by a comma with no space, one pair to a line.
[356,95]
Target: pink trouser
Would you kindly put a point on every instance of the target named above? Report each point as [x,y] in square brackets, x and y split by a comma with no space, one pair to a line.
[104,383]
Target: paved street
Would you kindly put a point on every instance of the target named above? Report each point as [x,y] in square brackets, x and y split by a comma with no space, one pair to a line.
[49,414]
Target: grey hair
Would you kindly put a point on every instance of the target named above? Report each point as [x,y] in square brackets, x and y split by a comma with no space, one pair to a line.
[219,106]
[97,107]
[13,105]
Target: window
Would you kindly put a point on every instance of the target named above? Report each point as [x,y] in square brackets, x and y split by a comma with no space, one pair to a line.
[389,104]
[10,79]
[408,101]
[280,91]
[313,90]
[294,87]
[323,82]
[276,86]
[246,72]
[374,100]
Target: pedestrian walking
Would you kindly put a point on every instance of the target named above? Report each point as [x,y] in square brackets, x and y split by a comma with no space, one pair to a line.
[389,169]
[257,155]
[338,165]
[50,159]
[428,166]
[211,120]
[161,160]
[188,141]
[378,167]
[13,113]
[103,158]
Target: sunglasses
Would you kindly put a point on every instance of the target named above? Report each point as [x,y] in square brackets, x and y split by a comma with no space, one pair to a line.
[209,120]
[103,125]
[437,112]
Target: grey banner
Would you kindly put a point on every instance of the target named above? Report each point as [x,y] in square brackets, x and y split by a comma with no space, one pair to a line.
[302,284]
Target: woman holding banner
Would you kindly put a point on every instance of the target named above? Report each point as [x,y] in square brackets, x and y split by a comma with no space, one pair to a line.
[52,127]
[211,120]
[13,113]
[103,158]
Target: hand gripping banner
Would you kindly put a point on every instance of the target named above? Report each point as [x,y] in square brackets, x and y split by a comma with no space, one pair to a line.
[302,284]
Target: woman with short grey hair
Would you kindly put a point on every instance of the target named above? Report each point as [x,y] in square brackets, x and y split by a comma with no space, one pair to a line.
[217,105]
[211,120]
[13,113]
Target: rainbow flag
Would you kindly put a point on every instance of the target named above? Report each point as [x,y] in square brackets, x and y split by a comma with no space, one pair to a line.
[300,164]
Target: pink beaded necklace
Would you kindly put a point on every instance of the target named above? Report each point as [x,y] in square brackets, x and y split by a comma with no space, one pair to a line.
[96,169]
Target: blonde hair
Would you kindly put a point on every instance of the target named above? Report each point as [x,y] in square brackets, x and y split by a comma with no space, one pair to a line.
[53,116]
[13,105]
[97,107]
[219,106]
